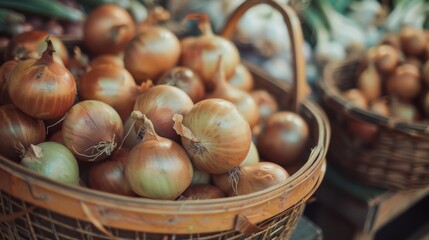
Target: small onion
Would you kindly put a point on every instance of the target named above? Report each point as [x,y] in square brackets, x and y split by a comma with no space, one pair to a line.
[380,106]
[18,131]
[159,104]
[242,78]
[369,82]
[405,82]
[42,88]
[201,192]
[53,160]
[109,175]
[91,130]
[413,40]
[361,132]
[215,135]
[108,29]
[151,53]
[157,167]
[251,178]
[356,97]
[111,84]
[201,53]
[384,57]
[245,104]
[284,138]
[5,70]
[185,79]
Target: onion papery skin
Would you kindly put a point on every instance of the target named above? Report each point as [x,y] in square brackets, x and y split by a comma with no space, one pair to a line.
[201,192]
[151,52]
[18,131]
[5,70]
[31,44]
[159,104]
[222,136]
[108,29]
[159,169]
[284,138]
[55,161]
[185,79]
[89,124]
[109,175]
[201,55]
[42,88]
[250,178]
[111,84]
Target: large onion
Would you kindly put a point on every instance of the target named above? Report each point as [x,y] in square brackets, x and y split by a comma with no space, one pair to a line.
[201,53]
[157,167]
[5,70]
[18,131]
[53,160]
[92,130]
[159,104]
[215,135]
[42,88]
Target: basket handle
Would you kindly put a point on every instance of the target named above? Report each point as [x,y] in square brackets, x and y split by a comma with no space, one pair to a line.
[300,88]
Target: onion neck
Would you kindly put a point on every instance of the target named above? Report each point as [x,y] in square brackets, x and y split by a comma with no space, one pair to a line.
[203,23]
[116,31]
[34,152]
[48,55]
[147,131]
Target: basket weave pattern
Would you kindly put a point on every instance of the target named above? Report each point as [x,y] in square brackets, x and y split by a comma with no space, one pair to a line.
[398,158]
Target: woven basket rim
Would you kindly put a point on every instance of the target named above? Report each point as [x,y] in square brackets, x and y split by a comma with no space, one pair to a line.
[331,95]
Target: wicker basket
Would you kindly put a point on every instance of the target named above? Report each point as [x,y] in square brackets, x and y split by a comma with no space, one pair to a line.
[35,207]
[398,157]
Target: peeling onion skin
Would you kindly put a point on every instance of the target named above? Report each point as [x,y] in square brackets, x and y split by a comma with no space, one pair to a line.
[18,131]
[221,136]
[89,124]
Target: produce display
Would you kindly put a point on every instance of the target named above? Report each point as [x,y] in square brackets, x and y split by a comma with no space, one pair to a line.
[136,110]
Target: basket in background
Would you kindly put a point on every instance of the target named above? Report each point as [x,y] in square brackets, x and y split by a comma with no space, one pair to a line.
[35,207]
[398,156]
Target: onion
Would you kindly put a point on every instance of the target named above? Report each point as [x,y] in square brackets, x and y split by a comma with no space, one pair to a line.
[201,192]
[108,29]
[157,167]
[92,130]
[215,135]
[32,44]
[242,78]
[42,88]
[251,178]
[185,79]
[356,97]
[361,132]
[18,131]
[152,52]
[405,82]
[369,82]
[109,175]
[111,84]
[201,53]
[57,137]
[78,64]
[52,160]
[252,155]
[159,104]
[413,40]
[200,177]
[266,102]
[284,138]
[5,70]
[385,57]
[245,104]
[131,138]
[403,111]
[380,106]
[107,59]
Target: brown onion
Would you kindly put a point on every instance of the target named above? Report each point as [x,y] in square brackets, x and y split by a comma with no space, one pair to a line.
[380,106]
[200,177]
[369,83]
[18,131]
[361,132]
[413,40]
[57,137]
[202,191]
[159,104]
[52,160]
[32,44]
[42,88]
[252,155]
[111,84]
[151,52]
[107,59]
[201,53]
[405,82]
[109,175]
[215,135]
[356,97]
[284,138]
[252,178]
[92,130]
[5,70]
[266,102]
[78,64]
[391,39]
[242,78]
[245,104]
[157,167]
[384,57]
[108,29]
[185,79]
